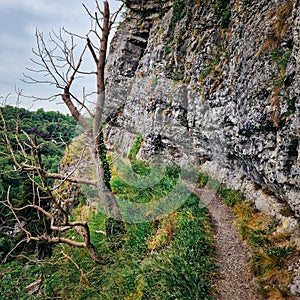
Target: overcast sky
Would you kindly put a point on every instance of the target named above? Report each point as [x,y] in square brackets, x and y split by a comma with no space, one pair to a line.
[19,20]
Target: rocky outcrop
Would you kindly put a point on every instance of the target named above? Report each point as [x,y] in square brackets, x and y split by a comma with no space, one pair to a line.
[214,84]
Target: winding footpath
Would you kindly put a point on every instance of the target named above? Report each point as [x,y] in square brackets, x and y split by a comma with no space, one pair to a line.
[235,281]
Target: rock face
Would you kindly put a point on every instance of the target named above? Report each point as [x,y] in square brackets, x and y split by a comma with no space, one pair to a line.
[214,84]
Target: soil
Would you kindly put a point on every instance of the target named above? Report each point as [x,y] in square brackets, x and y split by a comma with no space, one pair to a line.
[235,281]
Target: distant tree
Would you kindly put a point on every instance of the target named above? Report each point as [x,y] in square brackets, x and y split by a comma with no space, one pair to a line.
[58,62]
[20,185]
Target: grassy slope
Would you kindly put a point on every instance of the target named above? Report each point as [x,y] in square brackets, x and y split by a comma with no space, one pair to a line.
[170,258]
[273,249]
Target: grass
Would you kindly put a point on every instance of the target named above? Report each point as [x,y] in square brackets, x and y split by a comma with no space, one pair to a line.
[204,73]
[231,197]
[213,67]
[272,252]
[171,257]
[279,27]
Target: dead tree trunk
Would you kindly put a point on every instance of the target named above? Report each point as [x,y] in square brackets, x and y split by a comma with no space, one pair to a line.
[59,67]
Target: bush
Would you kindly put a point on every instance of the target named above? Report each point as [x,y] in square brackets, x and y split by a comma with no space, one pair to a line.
[223,10]
[179,11]
[231,197]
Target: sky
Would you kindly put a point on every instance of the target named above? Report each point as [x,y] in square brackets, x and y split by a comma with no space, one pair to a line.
[19,20]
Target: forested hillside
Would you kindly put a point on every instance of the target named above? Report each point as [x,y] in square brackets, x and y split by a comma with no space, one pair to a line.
[52,132]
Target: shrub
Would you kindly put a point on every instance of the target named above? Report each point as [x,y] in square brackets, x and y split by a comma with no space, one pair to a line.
[231,197]
[223,10]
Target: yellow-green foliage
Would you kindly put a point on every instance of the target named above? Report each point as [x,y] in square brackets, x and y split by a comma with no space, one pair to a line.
[271,251]
[279,27]
[169,258]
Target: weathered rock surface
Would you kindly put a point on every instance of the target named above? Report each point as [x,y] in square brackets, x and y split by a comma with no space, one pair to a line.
[227,98]
[214,86]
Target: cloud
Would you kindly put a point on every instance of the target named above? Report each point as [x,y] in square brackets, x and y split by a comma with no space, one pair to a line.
[19,20]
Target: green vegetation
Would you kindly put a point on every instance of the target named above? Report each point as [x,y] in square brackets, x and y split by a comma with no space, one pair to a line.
[291,108]
[203,179]
[51,131]
[167,259]
[176,39]
[279,27]
[223,10]
[213,66]
[231,197]
[161,8]
[205,72]
[179,11]
[139,167]
[281,57]
[15,277]
[272,251]
[170,257]
[178,77]
[154,82]
[134,150]
[284,105]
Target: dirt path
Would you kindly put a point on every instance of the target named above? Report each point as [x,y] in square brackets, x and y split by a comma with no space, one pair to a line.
[235,282]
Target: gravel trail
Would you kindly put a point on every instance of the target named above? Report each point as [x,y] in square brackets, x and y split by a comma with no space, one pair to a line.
[235,281]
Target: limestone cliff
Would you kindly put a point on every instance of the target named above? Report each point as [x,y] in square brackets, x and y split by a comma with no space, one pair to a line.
[213,83]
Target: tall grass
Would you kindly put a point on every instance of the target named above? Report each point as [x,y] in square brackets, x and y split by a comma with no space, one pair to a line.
[171,257]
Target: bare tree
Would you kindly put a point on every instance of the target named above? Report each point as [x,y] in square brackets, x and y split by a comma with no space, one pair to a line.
[58,62]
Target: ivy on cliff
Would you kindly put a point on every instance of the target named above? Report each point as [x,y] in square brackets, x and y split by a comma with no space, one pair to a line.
[179,11]
[223,11]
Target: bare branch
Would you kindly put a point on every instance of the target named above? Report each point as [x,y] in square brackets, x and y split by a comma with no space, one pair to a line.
[58,176]
[88,11]
[99,8]
[73,171]
[73,34]
[114,16]
[83,275]
[57,63]
[12,250]
[9,205]
[97,21]
[92,50]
